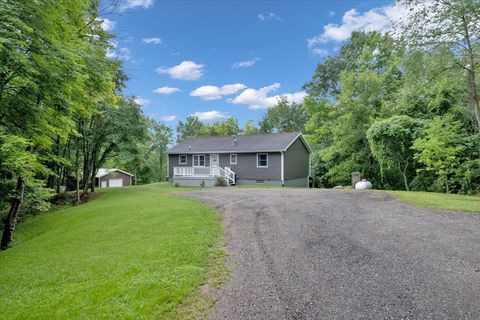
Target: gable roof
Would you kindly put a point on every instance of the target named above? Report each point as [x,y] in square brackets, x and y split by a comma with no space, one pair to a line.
[102,172]
[269,142]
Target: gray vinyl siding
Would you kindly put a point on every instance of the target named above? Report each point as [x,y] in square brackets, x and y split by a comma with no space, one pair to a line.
[296,164]
[174,161]
[127,180]
[246,167]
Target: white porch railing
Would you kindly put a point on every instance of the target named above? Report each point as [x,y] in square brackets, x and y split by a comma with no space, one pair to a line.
[226,172]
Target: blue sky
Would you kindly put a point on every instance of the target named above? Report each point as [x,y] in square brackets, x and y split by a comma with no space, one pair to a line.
[218,59]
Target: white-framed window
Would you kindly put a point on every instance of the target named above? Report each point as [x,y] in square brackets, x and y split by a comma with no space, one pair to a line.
[262,160]
[233,158]
[199,160]
[182,159]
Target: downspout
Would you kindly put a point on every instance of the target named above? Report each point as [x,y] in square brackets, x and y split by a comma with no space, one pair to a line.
[282,165]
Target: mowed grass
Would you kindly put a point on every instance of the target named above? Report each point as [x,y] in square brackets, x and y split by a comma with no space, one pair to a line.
[131,253]
[442,201]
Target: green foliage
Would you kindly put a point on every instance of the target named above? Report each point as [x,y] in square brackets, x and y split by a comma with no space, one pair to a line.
[283,117]
[441,148]
[391,141]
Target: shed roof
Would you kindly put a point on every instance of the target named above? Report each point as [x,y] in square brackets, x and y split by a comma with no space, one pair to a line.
[102,172]
[269,142]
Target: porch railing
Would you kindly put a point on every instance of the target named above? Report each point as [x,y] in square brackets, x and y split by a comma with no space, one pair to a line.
[226,172]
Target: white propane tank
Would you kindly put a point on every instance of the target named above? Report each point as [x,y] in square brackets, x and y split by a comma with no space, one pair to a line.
[364,184]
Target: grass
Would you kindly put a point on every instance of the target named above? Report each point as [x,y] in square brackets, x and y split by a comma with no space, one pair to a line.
[442,201]
[131,253]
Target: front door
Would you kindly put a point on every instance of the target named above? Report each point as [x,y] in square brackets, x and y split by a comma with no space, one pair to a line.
[214,160]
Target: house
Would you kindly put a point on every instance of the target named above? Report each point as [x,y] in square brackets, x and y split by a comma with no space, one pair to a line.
[281,159]
[108,178]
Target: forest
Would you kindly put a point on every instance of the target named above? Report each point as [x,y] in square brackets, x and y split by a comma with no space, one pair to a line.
[402,108]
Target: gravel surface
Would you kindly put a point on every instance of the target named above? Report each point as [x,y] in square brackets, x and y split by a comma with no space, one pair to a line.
[335,254]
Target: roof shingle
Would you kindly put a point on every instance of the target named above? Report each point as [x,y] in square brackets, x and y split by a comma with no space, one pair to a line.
[249,143]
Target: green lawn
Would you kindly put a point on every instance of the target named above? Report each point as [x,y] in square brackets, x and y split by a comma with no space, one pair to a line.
[442,201]
[131,253]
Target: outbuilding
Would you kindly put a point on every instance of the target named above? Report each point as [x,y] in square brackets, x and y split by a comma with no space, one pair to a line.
[109,178]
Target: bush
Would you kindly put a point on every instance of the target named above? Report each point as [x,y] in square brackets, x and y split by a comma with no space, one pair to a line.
[221,181]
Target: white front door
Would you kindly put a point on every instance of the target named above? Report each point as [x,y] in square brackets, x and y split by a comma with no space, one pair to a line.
[115,182]
[214,160]
[104,183]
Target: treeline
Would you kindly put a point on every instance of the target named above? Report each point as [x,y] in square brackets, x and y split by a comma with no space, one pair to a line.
[403,110]
[62,113]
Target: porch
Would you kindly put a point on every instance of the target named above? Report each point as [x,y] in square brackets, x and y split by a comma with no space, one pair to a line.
[192,175]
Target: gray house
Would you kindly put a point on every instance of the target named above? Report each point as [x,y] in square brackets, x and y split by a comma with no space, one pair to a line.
[281,159]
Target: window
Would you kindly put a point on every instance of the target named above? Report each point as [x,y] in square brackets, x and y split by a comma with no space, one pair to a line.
[199,160]
[262,160]
[182,159]
[233,158]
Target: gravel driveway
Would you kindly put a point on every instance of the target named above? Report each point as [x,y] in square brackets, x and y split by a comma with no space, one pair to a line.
[334,254]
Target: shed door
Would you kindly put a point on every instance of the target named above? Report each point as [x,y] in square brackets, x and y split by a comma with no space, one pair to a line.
[104,184]
[115,182]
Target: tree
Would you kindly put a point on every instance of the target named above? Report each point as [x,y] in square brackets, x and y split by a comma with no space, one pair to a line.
[440,149]
[284,117]
[223,128]
[192,127]
[453,25]
[391,141]
[249,128]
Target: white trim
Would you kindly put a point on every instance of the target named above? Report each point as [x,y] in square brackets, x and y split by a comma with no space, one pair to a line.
[282,172]
[263,153]
[236,158]
[193,160]
[180,157]
[303,140]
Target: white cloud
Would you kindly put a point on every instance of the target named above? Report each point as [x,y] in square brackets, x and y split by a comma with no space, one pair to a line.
[259,99]
[210,115]
[377,19]
[166,90]
[141,101]
[118,53]
[268,16]
[186,70]
[152,40]
[133,4]
[168,118]
[245,64]
[321,52]
[107,24]
[215,93]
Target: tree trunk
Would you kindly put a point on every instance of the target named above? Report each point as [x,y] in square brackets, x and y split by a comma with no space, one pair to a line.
[13,214]
[473,98]
[77,176]
[404,175]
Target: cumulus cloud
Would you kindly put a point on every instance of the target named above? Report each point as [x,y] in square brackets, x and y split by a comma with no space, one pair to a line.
[186,70]
[268,16]
[166,90]
[259,99]
[107,24]
[379,19]
[215,93]
[245,64]
[168,118]
[141,101]
[210,115]
[134,4]
[152,40]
